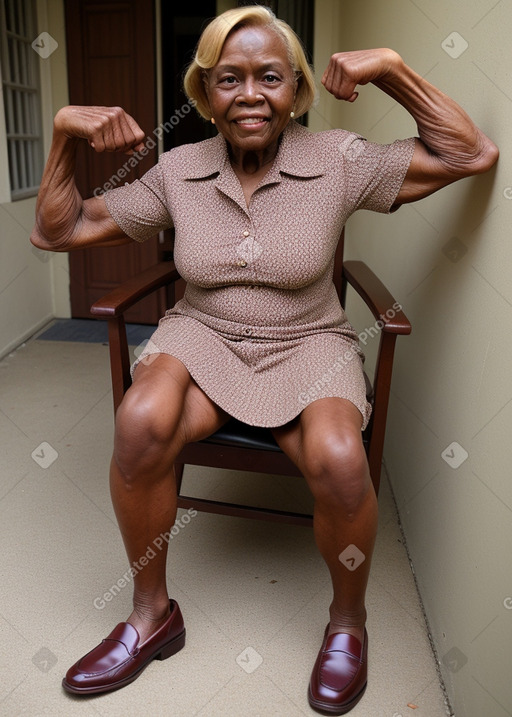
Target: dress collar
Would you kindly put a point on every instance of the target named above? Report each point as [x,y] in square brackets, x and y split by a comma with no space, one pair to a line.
[296,156]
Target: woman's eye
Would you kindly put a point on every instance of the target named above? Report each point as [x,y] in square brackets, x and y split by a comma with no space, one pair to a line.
[229,80]
[271,78]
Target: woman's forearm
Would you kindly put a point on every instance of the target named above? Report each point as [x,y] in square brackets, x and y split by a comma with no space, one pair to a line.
[59,202]
[443,126]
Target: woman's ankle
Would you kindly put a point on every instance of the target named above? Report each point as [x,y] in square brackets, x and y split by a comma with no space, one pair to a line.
[352,623]
[147,624]
[152,607]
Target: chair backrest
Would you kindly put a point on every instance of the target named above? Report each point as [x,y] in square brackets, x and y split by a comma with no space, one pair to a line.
[338,268]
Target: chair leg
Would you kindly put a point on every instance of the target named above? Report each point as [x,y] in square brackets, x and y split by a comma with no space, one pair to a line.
[119,359]
[178,472]
[382,384]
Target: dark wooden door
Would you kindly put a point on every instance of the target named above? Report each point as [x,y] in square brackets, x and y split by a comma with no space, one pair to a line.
[111,61]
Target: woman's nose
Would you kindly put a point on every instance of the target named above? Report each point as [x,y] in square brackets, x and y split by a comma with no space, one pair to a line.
[249,93]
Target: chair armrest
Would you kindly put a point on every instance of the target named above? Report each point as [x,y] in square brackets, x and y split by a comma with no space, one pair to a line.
[378,299]
[117,301]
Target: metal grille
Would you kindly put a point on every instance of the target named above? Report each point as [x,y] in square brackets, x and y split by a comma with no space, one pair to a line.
[21,88]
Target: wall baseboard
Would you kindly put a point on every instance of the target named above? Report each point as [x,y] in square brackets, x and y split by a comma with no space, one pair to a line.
[25,336]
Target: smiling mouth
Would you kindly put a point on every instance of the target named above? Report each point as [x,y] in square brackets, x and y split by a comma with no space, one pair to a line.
[247,121]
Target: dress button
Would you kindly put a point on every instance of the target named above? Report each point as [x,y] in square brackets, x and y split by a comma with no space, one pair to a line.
[242,263]
[247,332]
[246,233]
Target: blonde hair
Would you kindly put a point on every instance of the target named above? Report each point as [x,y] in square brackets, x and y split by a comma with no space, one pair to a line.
[211,43]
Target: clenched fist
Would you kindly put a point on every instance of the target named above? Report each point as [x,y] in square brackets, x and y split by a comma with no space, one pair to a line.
[346,70]
[107,129]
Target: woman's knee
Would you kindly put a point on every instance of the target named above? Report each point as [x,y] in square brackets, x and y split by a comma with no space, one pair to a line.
[337,471]
[147,429]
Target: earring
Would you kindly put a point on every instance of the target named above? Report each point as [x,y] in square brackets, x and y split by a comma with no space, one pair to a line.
[292,114]
[212,120]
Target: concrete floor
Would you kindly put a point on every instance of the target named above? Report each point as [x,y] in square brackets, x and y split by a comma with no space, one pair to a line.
[254,595]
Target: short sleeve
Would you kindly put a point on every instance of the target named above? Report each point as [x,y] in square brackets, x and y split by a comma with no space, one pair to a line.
[139,208]
[375,172]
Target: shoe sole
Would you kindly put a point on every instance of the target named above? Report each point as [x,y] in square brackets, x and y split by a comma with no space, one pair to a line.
[329,709]
[168,650]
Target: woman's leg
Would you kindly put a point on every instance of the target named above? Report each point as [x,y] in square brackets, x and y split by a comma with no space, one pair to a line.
[325,442]
[162,411]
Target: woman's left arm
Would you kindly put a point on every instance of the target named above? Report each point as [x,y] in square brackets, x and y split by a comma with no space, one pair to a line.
[450,145]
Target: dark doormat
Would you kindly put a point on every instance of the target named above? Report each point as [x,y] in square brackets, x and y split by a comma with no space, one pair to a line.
[91,331]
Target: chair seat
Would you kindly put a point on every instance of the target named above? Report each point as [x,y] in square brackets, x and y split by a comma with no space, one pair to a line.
[241,435]
[236,433]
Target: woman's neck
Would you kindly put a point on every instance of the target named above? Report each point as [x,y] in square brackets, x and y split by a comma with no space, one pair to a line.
[252,162]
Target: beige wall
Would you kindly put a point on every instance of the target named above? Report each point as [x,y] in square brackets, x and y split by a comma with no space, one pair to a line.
[33,284]
[448,260]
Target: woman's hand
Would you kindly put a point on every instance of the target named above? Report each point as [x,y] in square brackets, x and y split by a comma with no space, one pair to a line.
[346,70]
[106,129]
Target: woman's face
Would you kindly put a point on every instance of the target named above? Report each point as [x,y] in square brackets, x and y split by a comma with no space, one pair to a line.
[251,89]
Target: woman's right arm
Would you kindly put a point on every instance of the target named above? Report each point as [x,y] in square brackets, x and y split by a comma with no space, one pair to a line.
[65,221]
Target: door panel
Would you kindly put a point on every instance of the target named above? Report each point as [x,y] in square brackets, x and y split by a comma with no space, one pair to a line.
[111,61]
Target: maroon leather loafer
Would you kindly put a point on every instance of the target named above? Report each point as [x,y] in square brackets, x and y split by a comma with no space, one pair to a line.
[339,677]
[119,659]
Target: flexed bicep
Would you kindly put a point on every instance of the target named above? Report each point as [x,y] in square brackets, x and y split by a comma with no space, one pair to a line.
[449,147]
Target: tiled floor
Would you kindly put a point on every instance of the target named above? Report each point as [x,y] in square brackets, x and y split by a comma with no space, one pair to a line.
[254,595]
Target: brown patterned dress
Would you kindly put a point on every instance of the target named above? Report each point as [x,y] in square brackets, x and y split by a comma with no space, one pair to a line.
[260,327]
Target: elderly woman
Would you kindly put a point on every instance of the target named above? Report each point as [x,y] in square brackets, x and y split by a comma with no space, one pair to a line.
[257,211]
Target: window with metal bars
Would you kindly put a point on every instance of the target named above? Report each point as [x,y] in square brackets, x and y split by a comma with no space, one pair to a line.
[22,96]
